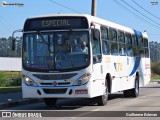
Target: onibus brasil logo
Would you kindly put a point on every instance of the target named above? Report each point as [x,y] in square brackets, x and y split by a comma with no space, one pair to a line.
[4,3]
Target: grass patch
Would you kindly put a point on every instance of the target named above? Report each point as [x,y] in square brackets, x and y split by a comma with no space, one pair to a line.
[10,78]
[12,74]
[11,89]
[155,69]
[155,77]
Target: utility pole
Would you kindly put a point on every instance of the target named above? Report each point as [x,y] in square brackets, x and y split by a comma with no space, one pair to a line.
[93,9]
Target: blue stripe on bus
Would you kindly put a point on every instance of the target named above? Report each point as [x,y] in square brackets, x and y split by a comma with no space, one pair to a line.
[137,33]
[136,65]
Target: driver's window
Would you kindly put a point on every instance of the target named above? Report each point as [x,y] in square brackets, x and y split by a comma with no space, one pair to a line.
[96,47]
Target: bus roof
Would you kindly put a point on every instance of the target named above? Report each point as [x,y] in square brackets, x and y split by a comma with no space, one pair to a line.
[98,21]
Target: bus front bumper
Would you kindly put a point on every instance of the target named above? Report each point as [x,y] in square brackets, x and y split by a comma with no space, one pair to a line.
[56,92]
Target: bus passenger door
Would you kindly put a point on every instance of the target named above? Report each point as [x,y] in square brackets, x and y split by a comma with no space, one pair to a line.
[97,62]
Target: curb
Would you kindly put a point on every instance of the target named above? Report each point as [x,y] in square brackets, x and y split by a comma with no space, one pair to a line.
[155,82]
[19,102]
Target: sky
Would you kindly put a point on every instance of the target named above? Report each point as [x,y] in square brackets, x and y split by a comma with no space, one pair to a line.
[125,12]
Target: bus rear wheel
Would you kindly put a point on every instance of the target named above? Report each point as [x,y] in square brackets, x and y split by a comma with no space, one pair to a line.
[135,90]
[102,100]
[50,101]
[132,92]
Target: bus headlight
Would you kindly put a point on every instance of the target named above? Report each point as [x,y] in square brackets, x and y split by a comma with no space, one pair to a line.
[83,79]
[29,81]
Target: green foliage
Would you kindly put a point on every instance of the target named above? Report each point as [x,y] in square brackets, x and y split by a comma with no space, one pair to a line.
[136,51]
[5,80]
[6,47]
[16,82]
[155,68]
[154,51]
[155,77]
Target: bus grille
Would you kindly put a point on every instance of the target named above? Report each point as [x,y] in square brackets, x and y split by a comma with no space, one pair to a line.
[55,76]
[61,83]
[55,91]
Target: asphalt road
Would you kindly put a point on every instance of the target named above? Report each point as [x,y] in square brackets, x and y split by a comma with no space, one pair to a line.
[148,100]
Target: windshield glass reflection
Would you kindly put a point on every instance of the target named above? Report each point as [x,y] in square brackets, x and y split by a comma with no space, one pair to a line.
[56,51]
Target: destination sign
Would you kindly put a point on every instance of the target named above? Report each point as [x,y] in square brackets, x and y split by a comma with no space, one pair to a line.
[56,23]
[53,23]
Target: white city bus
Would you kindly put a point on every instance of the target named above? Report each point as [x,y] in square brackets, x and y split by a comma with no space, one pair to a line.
[81,56]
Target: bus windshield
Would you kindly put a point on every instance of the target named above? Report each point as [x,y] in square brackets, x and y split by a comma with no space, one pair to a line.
[64,50]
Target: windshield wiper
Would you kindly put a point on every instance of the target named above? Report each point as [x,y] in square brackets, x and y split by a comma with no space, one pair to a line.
[44,40]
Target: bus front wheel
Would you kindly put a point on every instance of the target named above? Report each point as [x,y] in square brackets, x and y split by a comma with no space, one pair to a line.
[50,101]
[102,100]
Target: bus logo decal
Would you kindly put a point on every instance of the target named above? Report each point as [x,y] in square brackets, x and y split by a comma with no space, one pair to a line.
[118,66]
[54,83]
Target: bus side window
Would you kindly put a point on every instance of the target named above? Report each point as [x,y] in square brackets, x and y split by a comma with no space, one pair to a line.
[106,47]
[121,40]
[105,41]
[134,41]
[104,33]
[129,45]
[140,41]
[146,53]
[96,49]
[113,39]
[145,42]
[145,45]
[141,47]
[135,46]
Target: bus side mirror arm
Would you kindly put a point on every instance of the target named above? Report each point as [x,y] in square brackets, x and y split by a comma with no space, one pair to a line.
[96,34]
[14,39]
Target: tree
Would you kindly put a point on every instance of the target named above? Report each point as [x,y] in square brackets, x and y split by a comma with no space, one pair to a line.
[6,47]
[154,51]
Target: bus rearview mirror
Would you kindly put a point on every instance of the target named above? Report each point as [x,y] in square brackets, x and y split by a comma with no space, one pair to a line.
[14,39]
[13,44]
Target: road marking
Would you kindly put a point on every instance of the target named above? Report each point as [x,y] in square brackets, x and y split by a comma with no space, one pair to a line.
[84,113]
[101,108]
[96,110]
[131,99]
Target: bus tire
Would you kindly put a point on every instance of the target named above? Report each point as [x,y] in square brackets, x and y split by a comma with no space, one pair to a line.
[132,92]
[50,101]
[135,90]
[102,100]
